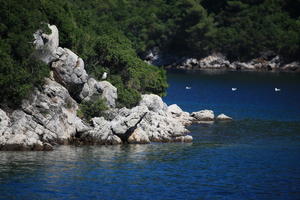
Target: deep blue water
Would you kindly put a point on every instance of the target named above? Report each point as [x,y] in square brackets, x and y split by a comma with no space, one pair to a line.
[257,156]
[255,97]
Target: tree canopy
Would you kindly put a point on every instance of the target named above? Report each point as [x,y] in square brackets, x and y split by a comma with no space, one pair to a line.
[111,35]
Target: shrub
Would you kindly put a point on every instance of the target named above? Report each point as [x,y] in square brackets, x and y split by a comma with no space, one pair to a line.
[90,109]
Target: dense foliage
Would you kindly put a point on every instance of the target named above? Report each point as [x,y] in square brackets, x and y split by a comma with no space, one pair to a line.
[111,35]
[90,109]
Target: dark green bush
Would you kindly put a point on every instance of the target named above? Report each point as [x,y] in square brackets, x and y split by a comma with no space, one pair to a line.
[90,109]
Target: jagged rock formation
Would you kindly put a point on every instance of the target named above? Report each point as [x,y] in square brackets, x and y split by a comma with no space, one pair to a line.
[105,89]
[49,115]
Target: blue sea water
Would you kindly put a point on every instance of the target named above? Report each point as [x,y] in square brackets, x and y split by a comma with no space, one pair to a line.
[255,97]
[257,156]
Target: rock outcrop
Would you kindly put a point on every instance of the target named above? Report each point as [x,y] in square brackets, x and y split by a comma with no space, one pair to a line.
[203,115]
[46,45]
[153,103]
[177,113]
[69,71]
[93,89]
[49,115]
[270,62]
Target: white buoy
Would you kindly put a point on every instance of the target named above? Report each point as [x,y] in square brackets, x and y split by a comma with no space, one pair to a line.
[233,89]
[188,88]
[277,89]
[104,76]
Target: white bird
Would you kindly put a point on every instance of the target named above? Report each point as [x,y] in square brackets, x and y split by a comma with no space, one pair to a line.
[277,89]
[104,76]
[233,89]
[188,88]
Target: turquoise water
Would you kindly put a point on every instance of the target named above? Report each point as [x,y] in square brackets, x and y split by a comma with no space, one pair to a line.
[257,156]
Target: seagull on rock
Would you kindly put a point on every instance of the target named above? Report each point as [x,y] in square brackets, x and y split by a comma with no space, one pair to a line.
[104,76]
[233,89]
[188,88]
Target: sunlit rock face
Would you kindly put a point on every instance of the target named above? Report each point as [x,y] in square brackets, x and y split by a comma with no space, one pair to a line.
[48,116]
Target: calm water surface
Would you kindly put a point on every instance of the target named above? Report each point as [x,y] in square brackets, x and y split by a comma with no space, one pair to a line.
[257,156]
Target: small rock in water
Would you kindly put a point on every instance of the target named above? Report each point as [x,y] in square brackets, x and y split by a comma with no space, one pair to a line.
[203,115]
[223,117]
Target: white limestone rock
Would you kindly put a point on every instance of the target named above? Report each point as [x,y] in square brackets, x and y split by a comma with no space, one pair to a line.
[223,117]
[153,102]
[203,115]
[139,136]
[94,89]
[4,122]
[56,110]
[178,113]
[23,134]
[46,45]
[101,133]
[69,71]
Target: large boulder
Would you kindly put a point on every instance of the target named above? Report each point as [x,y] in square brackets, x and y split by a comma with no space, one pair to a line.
[148,122]
[69,71]
[68,68]
[48,116]
[153,102]
[55,109]
[104,89]
[46,44]
[100,134]
[139,136]
[161,127]
[203,115]
[179,114]
[24,133]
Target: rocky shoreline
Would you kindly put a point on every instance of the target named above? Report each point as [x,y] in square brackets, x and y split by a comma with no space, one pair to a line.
[49,115]
[267,62]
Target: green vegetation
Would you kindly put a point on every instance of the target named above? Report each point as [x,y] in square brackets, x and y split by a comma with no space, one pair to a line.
[111,35]
[90,109]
